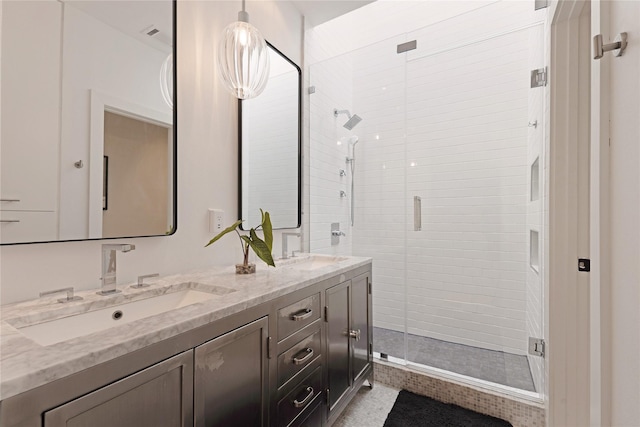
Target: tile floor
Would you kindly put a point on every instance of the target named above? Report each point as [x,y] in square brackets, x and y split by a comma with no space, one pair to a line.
[369,408]
[495,366]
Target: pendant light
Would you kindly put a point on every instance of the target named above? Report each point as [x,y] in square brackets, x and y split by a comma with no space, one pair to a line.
[243,58]
[166,80]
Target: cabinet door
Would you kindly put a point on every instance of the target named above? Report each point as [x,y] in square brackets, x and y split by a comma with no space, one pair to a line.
[360,322]
[338,344]
[231,378]
[159,396]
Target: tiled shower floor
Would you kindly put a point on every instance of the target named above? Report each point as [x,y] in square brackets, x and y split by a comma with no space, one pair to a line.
[495,366]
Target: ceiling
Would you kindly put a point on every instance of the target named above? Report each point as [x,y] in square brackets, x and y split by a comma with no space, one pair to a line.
[317,12]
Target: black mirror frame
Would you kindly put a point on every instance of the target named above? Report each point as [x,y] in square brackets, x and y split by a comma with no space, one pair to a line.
[299,202]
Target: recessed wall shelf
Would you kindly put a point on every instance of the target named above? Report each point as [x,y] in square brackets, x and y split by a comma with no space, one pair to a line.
[534,251]
[535,180]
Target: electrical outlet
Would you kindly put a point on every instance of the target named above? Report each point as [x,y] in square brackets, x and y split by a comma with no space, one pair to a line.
[216,220]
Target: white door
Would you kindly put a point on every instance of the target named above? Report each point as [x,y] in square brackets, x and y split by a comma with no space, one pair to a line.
[615,229]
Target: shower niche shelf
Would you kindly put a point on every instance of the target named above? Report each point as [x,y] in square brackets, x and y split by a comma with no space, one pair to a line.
[535,180]
[534,250]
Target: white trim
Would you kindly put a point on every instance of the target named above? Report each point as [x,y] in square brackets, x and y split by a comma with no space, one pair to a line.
[567,290]
[101,102]
[599,213]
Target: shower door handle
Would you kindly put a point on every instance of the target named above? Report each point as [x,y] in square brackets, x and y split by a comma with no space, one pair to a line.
[417,213]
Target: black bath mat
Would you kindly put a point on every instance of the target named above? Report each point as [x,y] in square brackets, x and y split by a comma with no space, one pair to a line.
[412,410]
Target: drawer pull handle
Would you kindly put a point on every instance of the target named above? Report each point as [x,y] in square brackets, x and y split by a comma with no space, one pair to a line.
[9,220]
[9,200]
[302,314]
[308,355]
[300,403]
[355,334]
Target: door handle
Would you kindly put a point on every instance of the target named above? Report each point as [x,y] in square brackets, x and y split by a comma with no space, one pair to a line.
[355,334]
[417,213]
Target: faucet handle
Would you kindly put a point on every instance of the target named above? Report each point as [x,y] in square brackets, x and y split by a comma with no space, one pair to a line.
[69,291]
[141,283]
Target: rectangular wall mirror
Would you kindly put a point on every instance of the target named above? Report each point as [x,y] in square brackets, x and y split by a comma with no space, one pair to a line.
[88,135]
[270,147]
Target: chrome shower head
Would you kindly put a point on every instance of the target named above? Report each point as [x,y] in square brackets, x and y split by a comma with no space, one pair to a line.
[353,140]
[353,120]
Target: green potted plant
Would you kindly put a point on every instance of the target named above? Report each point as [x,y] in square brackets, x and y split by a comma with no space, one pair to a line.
[262,248]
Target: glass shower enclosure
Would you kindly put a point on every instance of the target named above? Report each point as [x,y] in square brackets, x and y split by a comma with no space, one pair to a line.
[440,184]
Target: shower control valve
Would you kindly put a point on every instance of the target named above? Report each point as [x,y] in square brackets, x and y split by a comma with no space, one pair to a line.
[337,233]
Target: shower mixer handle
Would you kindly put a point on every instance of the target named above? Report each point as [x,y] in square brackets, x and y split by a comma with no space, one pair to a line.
[337,233]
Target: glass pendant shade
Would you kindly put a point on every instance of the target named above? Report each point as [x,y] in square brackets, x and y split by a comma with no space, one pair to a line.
[166,80]
[243,60]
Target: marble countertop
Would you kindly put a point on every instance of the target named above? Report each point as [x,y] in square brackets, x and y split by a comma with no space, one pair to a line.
[24,364]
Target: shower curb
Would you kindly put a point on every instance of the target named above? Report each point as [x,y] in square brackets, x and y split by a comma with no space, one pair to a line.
[517,411]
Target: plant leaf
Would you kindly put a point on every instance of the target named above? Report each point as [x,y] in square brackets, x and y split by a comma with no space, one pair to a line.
[260,248]
[268,230]
[227,230]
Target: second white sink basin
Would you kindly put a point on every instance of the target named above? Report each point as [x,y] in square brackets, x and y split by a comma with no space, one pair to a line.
[314,262]
[78,325]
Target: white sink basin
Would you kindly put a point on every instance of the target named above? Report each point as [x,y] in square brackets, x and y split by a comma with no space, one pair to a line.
[78,325]
[314,262]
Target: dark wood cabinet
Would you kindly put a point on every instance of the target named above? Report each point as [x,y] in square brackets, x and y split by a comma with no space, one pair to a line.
[349,331]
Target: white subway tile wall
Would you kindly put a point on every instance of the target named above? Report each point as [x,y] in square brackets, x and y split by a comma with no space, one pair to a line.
[446,122]
[272,132]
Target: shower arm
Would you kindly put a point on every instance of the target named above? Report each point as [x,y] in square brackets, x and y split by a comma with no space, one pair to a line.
[337,112]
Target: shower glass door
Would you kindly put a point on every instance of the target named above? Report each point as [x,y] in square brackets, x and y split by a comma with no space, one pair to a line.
[447,193]
[473,295]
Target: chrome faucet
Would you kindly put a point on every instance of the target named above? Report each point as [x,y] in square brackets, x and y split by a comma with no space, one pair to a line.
[285,239]
[109,267]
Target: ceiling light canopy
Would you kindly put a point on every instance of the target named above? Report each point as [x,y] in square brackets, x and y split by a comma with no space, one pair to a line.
[243,58]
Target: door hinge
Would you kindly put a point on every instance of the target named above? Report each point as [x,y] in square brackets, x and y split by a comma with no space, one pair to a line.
[405,47]
[326,313]
[370,285]
[540,4]
[584,264]
[539,77]
[536,346]
[371,348]
[327,396]
[269,348]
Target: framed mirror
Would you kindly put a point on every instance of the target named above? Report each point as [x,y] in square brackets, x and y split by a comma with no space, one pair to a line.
[87,119]
[270,147]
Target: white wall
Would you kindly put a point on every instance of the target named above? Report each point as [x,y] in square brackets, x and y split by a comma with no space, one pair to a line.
[207,166]
[458,138]
[624,211]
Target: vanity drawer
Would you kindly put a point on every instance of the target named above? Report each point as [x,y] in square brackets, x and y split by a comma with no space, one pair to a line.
[299,356]
[312,416]
[298,315]
[300,397]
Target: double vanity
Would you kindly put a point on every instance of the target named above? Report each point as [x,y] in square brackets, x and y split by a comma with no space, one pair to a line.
[287,346]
